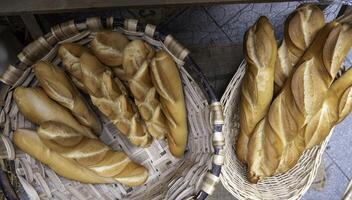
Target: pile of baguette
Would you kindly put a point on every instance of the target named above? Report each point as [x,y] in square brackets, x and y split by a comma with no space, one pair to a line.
[136,87]
[291,95]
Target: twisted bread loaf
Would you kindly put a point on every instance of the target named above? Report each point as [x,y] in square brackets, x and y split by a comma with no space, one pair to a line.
[301,98]
[70,54]
[77,157]
[38,108]
[300,30]
[336,106]
[167,81]
[108,47]
[111,100]
[136,72]
[260,51]
[58,87]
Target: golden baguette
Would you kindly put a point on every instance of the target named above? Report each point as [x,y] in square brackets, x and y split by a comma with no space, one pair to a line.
[257,87]
[167,81]
[111,100]
[77,157]
[301,28]
[59,88]
[70,54]
[301,97]
[336,106]
[38,108]
[29,142]
[136,70]
[108,47]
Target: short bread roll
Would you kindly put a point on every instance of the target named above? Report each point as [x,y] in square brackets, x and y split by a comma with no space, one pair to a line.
[108,47]
[70,54]
[58,87]
[107,95]
[38,108]
[136,69]
[257,87]
[167,81]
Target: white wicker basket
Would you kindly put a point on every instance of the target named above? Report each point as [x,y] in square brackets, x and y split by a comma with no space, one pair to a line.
[290,185]
[169,178]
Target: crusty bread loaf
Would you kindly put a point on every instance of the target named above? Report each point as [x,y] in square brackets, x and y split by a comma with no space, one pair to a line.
[38,108]
[255,152]
[133,59]
[107,95]
[70,54]
[29,142]
[336,106]
[137,73]
[260,51]
[77,157]
[108,47]
[58,87]
[300,29]
[167,81]
[302,97]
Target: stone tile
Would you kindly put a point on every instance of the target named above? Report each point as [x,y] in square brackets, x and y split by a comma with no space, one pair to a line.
[336,184]
[157,16]
[327,161]
[218,62]
[223,13]
[319,182]
[276,12]
[194,27]
[340,146]
[221,193]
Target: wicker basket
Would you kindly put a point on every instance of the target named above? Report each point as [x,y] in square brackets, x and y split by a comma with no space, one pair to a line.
[192,177]
[290,185]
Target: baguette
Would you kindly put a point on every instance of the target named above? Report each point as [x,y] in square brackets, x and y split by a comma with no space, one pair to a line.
[77,157]
[260,51]
[106,94]
[301,97]
[38,108]
[108,47]
[301,28]
[59,88]
[136,71]
[167,81]
[70,54]
[336,106]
